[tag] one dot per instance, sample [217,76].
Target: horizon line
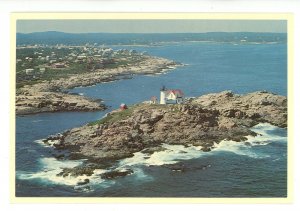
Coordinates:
[151,32]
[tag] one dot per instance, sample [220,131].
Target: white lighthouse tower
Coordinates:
[163,95]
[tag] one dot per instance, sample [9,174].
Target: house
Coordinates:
[52,61]
[59,65]
[42,69]
[171,96]
[107,52]
[81,57]
[29,71]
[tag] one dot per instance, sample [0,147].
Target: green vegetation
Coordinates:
[115,116]
[42,61]
[23,83]
[49,74]
[52,74]
[123,114]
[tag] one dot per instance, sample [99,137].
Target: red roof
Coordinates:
[176,92]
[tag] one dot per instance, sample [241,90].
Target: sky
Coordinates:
[151,26]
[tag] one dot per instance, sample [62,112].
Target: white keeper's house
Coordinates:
[171,96]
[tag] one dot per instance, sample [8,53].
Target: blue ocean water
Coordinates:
[258,169]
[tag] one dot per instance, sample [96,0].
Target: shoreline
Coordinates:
[83,175]
[204,122]
[48,96]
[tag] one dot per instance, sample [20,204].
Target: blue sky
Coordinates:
[151,26]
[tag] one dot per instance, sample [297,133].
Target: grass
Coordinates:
[50,74]
[124,114]
[53,74]
[174,108]
[23,83]
[114,117]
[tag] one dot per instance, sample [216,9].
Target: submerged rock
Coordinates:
[84,182]
[114,174]
[180,167]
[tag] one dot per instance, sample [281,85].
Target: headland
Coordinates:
[202,121]
[44,86]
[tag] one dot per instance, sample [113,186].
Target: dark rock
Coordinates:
[199,123]
[59,146]
[76,156]
[151,150]
[77,171]
[179,167]
[59,156]
[115,174]
[84,182]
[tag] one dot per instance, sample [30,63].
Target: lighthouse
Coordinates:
[163,91]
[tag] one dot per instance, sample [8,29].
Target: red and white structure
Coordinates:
[171,96]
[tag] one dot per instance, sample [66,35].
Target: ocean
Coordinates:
[257,168]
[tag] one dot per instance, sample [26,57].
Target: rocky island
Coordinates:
[202,121]
[44,86]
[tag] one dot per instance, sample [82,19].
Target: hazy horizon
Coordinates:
[148,32]
[151,26]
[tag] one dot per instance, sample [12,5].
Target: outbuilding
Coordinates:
[29,71]
[123,106]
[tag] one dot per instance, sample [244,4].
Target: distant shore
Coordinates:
[48,96]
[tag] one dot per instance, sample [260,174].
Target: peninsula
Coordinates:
[202,121]
[45,74]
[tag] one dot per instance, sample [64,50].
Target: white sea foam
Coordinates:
[38,120]
[171,155]
[176,153]
[41,142]
[50,168]
[245,148]
[238,148]
[49,143]
[263,137]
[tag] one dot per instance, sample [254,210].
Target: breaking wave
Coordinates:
[51,167]
[170,154]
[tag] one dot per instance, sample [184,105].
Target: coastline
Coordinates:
[204,122]
[48,96]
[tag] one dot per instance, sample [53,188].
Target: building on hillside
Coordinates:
[42,69]
[59,65]
[29,71]
[171,96]
[153,100]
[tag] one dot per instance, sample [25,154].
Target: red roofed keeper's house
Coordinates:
[171,96]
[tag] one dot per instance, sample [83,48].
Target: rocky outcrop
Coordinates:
[255,107]
[203,121]
[47,96]
[32,102]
